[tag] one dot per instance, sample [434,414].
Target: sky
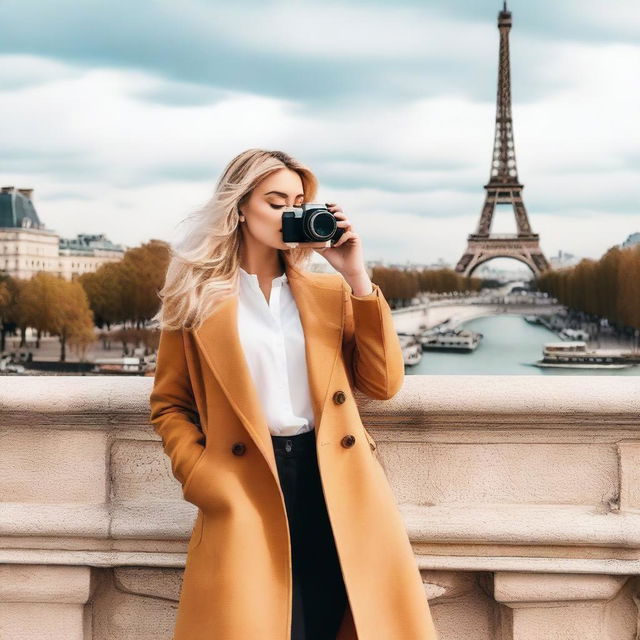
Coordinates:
[121,116]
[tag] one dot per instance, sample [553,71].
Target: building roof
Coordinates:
[88,243]
[17,210]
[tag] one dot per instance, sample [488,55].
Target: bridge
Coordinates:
[458,312]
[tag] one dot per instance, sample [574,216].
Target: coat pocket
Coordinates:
[374,450]
[372,443]
[189,480]
[196,533]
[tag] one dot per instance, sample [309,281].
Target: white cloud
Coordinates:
[96,112]
[334,30]
[23,70]
[619,15]
[593,121]
[95,132]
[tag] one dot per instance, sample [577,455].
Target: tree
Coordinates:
[50,303]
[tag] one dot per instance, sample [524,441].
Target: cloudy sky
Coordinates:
[121,116]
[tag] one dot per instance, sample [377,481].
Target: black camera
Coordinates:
[310,223]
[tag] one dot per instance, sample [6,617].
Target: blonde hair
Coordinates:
[204,266]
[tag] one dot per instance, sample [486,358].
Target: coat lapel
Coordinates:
[319,303]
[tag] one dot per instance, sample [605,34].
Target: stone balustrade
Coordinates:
[521,496]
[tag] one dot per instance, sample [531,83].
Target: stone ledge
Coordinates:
[120,521]
[529,563]
[105,559]
[510,525]
[47,400]
[425,561]
[522,524]
[34,519]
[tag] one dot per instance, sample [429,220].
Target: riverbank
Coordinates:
[454,315]
[555,318]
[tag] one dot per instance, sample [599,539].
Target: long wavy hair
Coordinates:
[204,265]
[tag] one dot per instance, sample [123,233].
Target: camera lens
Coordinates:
[320,225]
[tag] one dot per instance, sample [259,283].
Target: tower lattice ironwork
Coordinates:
[503,186]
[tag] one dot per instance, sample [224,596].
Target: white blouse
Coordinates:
[274,346]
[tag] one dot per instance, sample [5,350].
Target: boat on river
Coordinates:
[125,365]
[463,340]
[411,348]
[576,355]
[573,335]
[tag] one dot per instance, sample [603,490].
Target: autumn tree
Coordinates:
[53,304]
[608,287]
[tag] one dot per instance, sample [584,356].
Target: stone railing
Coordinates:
[521,496]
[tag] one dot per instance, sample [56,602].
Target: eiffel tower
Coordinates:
[503,186]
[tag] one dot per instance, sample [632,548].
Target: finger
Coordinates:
[345,236]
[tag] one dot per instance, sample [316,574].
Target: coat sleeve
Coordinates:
[370,344]
[174,414]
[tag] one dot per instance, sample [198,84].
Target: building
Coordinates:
[564,259]
[632,240]
[27,246]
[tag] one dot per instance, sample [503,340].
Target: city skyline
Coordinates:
[123,129]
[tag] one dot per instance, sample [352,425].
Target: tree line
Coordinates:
[607,288]
[125,293]
[400,286]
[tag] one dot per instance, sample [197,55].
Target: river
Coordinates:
[510,345]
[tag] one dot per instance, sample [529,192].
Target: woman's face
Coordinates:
[263,210]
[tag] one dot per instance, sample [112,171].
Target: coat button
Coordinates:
[339,397]
[238,448]
[348,441]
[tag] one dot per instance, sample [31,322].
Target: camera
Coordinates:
[309,223]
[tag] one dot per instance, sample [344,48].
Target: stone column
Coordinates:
[44,602]
[561,606]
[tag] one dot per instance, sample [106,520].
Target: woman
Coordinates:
[297,535]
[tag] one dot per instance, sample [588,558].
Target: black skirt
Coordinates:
[319,594]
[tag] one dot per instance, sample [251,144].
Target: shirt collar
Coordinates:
[252,277]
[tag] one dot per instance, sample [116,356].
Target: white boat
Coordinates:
[8,365]
[123,365]
[575,355]
[573,335]
[451,340]
[411,348]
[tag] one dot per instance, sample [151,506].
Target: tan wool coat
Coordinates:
[237,582]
